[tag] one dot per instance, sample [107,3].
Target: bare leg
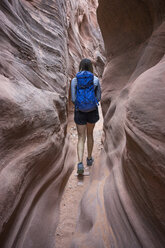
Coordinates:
[90,141]
[81,129]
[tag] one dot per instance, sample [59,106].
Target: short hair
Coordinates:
[86,65]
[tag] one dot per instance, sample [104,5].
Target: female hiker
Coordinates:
[85,94]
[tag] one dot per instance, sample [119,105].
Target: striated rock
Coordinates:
[41,45]
[124,206]
[34,154]
[85,39]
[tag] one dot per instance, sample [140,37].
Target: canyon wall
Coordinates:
[41,45]
[84,38]
[34,153]
[124,206]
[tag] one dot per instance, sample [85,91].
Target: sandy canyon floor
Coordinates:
[76,186]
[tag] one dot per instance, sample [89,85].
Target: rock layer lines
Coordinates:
[124,206]
[34,153]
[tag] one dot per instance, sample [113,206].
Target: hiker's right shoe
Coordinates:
[80,168]
[90,161]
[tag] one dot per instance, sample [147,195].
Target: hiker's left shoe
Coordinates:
[80,168]
[90,161]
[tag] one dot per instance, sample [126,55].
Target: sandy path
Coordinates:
[75,188]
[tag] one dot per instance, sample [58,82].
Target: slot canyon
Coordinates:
[121,204]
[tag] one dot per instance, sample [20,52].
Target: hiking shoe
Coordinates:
[90,161]
[80,168]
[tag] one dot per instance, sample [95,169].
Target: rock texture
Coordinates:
[41,45]
[85,40]
[34,154]
[124,206]
[84,37]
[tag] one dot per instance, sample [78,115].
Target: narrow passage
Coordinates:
[76,186]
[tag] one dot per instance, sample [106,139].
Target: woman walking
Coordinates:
[85,94]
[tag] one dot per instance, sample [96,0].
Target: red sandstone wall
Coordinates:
[84,37]
[124,206]
[34,162]
[85,40]
[41,45]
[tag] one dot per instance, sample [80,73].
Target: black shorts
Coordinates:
[81,118]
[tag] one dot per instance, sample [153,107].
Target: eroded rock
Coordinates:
[124,206]
[34,153]
[42,43]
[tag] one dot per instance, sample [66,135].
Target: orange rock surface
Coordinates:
[124,206]
[41,45]
[34,154]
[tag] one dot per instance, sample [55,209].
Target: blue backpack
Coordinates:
[85,96]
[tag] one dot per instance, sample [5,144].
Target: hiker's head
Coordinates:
[86,65]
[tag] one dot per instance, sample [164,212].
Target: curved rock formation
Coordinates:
[124,206]
[34,153]
[41,45]
[84,35]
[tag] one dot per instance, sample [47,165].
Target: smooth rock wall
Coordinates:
[124,206]
[85,39]
[34,153]
[41,46]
